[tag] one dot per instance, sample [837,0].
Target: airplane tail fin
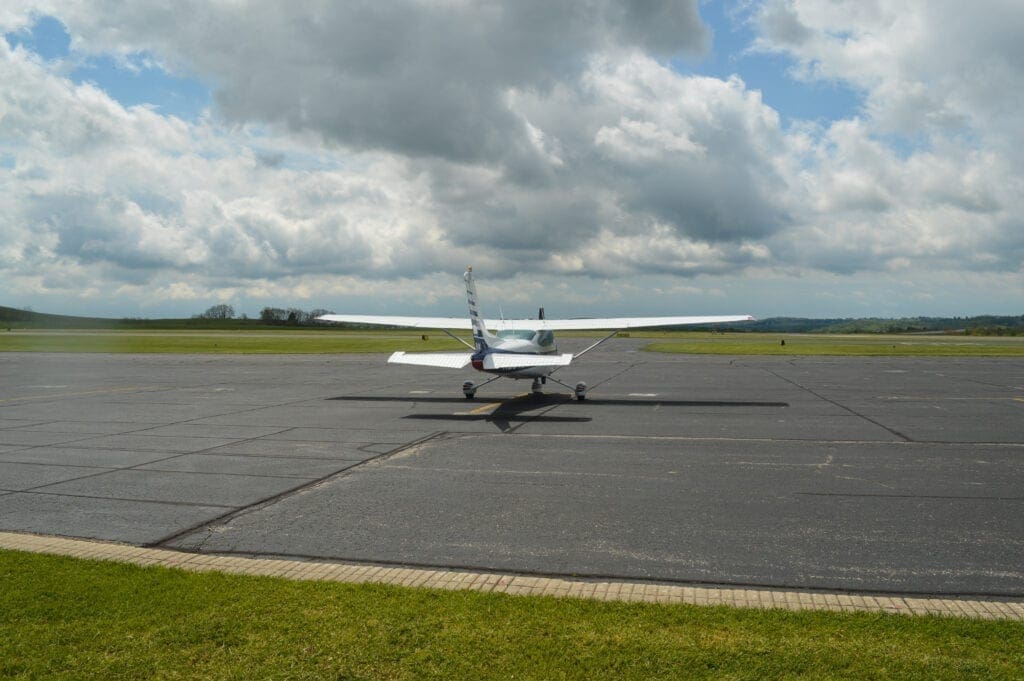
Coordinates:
[481,338]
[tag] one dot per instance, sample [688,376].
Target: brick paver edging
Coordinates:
[514,584]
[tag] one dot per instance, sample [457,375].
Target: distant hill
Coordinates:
[25,319]
[987,324]
[980,325]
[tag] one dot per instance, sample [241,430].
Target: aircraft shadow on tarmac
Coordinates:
[514,410]
[506,415]
[536,401]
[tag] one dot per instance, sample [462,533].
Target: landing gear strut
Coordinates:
[580,391]
[469,388]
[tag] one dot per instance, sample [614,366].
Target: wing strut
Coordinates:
[468,345]
[591,347]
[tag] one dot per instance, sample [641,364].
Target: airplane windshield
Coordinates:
[524,334]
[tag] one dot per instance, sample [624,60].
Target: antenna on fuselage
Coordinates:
[540,313]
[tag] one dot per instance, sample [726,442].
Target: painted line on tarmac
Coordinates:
[53,396]
[483,409]
[519,585]
[708,438]
[490,406]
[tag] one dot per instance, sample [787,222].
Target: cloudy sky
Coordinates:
[784,157]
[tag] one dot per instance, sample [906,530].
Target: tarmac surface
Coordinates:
[874,475]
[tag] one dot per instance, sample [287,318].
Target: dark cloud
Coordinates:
[410,77]
[501,105]
[780,24]
[389,141]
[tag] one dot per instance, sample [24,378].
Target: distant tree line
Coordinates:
[979,325]
[982,325]
[268,315]
[291,315]
[217,312]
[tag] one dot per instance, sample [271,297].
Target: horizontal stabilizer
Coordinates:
[446,360]
[512,360]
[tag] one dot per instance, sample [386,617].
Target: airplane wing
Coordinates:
[628,322]
[407,322]
[445,360]
[536,324]
[512,360]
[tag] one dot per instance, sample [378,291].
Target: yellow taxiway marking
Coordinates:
[78,394]
[484,408]
[490,406]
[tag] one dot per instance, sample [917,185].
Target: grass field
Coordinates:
[70,618]
[827,344]
[232,342]
[305,341]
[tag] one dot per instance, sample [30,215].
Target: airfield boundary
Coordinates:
[515,585]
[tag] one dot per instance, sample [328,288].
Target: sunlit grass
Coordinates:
[69,618]
[850,345]
[230,342]
[328,341]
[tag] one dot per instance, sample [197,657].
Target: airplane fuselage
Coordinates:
[518,348]
[519,342]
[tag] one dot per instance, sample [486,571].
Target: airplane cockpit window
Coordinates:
[523,334]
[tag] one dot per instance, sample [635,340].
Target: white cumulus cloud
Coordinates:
[355,148]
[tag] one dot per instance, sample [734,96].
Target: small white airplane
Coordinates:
[519,348]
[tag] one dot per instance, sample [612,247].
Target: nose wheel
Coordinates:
[581,391]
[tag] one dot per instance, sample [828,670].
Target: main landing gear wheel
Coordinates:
[581,391]
[535,388]
[469,390]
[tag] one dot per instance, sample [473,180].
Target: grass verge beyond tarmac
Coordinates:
[225,342]
[827,344]
[343,341]
[71,618]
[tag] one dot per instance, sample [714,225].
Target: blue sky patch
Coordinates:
[138,79]
[145,83]
[48,38]
[795,100]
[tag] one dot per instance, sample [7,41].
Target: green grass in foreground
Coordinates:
[68,618]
